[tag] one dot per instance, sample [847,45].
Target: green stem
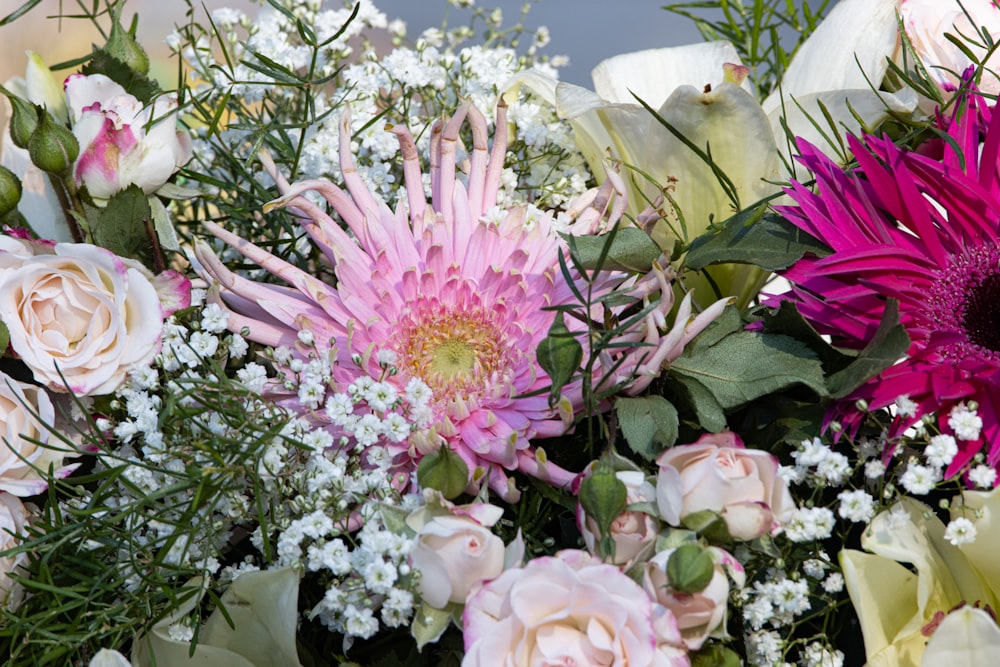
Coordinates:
[68,201]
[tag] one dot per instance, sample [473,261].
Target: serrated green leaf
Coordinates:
[139,85]
[710,414]
[746,365]
[754,236]
[631,249]
[789,321]
[445,471]
[649,424]
[121,225]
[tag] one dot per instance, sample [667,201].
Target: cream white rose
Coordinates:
[719,474]
[926,23]
[633,533]
[27,451]
[13,521]
[567,609]
[455,552]
[80,318]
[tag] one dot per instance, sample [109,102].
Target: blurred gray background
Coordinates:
[586,31]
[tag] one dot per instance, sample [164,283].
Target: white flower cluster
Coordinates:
[818,464]
[415,84]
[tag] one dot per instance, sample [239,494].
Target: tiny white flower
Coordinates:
[856,506]
[918,479]
[906,407]
[983,476]
[874,469]
[834,583]
[941,450]
[960,531]
[965,422]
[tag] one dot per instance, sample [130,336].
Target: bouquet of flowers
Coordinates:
[351,346]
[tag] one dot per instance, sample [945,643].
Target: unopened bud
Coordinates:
[122,46]
[23,119]
[52,147]
[10,191]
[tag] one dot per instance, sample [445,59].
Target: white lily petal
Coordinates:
[869,580]
[730,123]
[43,88]
[855,32]
[39,204]
[581,107]
[967,637]
[654,74]
[804,116]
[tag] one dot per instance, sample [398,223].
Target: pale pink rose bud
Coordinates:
[633,533]
[699,614]
[455,551]
[719,474]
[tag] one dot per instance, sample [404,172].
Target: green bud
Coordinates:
[23,120]
[122,46]
[690,569]
[559,355]
[10,191]
[445,471]
[52,147]
[603,497]
[715,655]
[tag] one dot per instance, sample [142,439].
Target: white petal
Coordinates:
[855,32]
[967,637]
[654,74]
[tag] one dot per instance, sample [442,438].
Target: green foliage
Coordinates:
[445,471]
[649,424]
[690,569]
[766,33]
[727,367]
[559,354]
[754,236]
[123,225]
[629,249]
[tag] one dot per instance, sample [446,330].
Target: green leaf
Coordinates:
[121,225]
[649,424]
[429,624]
[445,471]
[4,337]
[887,346]
[631,249]
[789,321]
[715,655]
[754,236]
[744,366]
[559,354]
[139,85]
[162,224]
[690,569]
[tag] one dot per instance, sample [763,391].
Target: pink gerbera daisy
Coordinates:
[456,292]
[922,229]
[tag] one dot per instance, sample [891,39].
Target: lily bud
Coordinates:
[10,191]
[23,120]
[52,147]
[44,88]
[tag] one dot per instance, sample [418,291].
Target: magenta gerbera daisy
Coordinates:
[923,229]
[455,293]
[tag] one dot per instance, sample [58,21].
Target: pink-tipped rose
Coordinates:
[700,614]
[81,317]
[719,474]
[926,23]
[633,533]
[123,141]
[567,609]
